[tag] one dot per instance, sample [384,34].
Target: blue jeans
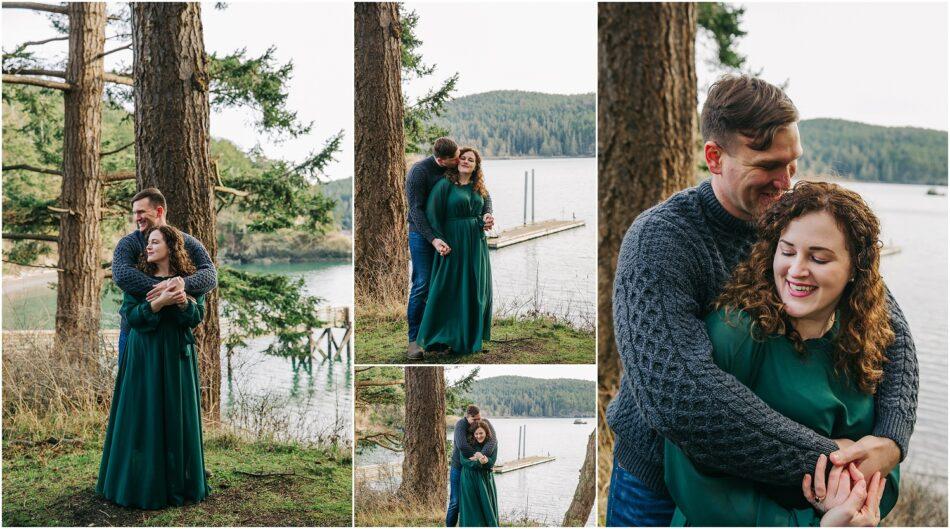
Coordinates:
[422,254]
[452,514]
[630,503]
[123,339]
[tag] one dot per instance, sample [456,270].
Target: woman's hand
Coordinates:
[862,507]
[826,496]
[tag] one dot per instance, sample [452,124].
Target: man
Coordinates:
[673,263]
[149,210]
[460,449]
[423,244]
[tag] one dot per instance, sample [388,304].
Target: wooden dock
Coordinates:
[372,473]
[524,462]
[531,231]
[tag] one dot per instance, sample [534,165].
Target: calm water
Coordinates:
[542,492]
[917,276]
[312,401]
[557,273]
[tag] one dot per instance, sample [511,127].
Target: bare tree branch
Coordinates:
[61,210]
[36,6]
[108,76]
[374,383]
[114,151]
[24,167]
[40,42]
[117,78]
[51,267]
[31,237]
[33,81]
[117,176]
[113,50]
[232,191]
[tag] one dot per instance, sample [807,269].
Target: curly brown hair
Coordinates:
[863,317]
[484,425]
[179,262]
[478,177]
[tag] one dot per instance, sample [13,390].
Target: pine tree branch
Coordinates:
[374,383]
[113,50]
[50,267]
[117,78]
[117,176]
[33,81]
[36,6]
[231,191]
[111,77]
[61,210]
[24,167]
[31,237]
[114,151]
[40,42]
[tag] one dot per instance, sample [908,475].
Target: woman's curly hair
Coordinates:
[865,330]
[484,425]
[478,177]
[179,262]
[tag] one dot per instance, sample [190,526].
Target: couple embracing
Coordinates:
[770,378]
[153,456]
[450,300]
[473,499]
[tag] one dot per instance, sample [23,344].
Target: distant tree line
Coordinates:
[532,397]
[871,153]
[516,123]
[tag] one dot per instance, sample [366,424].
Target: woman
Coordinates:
[478,499]
[803,323]
[153,456]
[458,309]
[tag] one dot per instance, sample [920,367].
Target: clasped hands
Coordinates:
[169,292]
[480,457]
[846,497]
[444,249]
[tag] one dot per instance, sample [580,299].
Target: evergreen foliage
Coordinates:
[872,153]
[515,396]
[515,123]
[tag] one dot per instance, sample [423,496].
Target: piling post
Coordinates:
[532,196]
[525,222]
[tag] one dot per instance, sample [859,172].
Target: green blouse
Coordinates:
[804,388]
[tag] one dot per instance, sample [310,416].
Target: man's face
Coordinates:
[450,162]
[473,418]
[147,215]
[747,181]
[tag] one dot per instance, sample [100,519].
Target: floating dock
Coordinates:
[378,472]
[524,462]
[532,231]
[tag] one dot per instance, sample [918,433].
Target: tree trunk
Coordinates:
[425,467]
[579,510]
[381,245]
[646,101]
[80,242]
[172,145]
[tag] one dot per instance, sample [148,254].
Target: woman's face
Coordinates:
[156,249]
[467,162]
[812,266]
[480,435]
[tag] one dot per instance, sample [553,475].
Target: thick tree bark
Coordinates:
[425,467]
[579,510]
[80,242]
[381,245]
[646,120]
[172,145]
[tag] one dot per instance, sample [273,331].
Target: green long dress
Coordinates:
[458,309]
[153,456]
[478,498]
[805,389]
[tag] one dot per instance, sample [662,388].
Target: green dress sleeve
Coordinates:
[138,312]
[436,207]
[192,314]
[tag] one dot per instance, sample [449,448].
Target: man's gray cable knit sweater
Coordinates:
[422,177]
[672,265]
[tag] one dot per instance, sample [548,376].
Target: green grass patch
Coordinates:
[252,484]
[527,340]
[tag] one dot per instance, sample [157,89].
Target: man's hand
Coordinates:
[441,247]
[871,454]
[489,221]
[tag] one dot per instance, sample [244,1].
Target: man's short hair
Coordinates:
[153,195]
[472,410]
[444,148]
[746,105]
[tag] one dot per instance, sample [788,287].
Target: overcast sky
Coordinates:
[880,63]
[318,38]
[542,47]
[580,372]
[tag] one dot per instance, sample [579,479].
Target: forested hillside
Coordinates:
[871,153]
[533,397]
[514,123]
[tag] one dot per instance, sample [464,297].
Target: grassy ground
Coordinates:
[54,485]
[383,509]
[538,340]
